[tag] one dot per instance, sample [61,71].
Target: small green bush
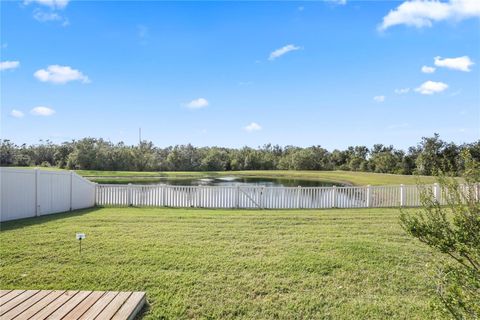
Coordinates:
[454,230]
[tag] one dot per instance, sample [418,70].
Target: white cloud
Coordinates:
[42,111]
[43,16]
[5,65]
[427,69]
[17,113]
[341,2]
[402,90]
[283,50]
[60,75]
[431,87]
[418,13]
[253,126]
[197,103]
[461,63]
[379,98]
[54,4]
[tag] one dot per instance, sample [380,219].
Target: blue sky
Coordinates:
[333,73]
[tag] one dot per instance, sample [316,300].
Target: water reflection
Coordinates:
[246,181]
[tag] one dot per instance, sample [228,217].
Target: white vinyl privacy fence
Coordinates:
[32,192]
[264,197]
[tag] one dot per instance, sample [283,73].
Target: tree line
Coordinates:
[99,154]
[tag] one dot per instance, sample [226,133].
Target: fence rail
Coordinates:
[248,197]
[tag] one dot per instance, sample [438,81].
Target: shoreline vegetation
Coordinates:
[424,159]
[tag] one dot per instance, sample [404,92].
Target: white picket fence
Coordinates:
[262,197]
[33,192]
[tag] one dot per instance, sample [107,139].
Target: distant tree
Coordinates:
[357,156]
[215,159]
[99,154]
[454,231]
[7,152]
[429,159]
[61,154]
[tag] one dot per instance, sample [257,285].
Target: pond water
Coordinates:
[244,181]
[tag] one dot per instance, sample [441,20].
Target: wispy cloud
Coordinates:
[17,113]
[6,65]
[60,75]
[431,87]
[53,4]
[197,103]
[42,111]
[427,69]
[253,126]
[340,2]
[43,16]
[402,91]
[461,63]
[419,13]
[48,10]
[379,98]
[283,50]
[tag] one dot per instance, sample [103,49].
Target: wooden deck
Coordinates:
[57,304]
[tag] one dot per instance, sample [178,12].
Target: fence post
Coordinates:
[402,195]
[262,195]
[436,192]
[71,190]
[37,195]
[129,194]
[369,196]
[164,195]
[299,188]
[96,198]
[237,197]
[334,196]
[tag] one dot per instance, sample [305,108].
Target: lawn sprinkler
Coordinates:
[80,237]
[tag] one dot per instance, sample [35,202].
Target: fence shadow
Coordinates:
[22,223]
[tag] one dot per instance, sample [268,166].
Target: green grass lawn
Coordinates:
[227,264]
[346,177]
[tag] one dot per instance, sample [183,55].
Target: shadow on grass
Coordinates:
[22,223]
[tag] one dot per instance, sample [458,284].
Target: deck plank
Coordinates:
[25,305]
[16,301]
[70,305]
[9,296]
[99,306]
[55,304]
[43,303]
[131,307]
[85,305]
[114,305]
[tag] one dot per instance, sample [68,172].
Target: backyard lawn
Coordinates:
[226,264]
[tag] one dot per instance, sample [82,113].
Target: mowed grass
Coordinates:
[345,177]
[227,264]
